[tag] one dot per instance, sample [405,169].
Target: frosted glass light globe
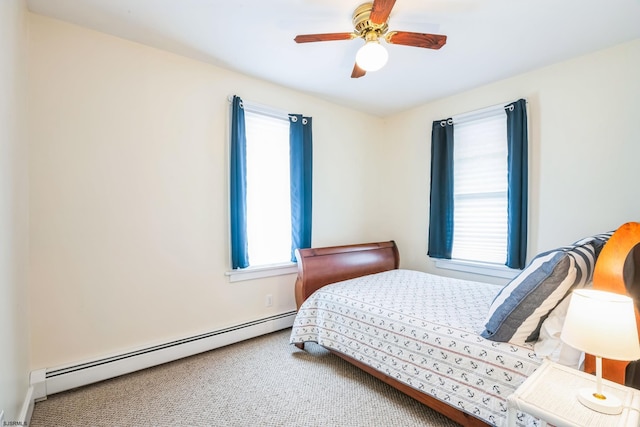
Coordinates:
[372,56]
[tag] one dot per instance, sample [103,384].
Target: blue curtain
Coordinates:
[441,196]
[238,184]
[301,164]
[517,164]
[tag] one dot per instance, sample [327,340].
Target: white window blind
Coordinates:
[480,188]
[268,190]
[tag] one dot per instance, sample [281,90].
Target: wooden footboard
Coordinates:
[318,267]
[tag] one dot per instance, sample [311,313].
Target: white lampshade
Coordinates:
[602,324]
[372,56]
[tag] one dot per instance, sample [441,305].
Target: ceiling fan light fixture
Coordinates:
[372,56]
[371,23]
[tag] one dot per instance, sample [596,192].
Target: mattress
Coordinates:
[423,330]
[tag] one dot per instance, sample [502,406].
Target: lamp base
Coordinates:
[598,402]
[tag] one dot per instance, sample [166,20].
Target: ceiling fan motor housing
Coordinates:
[363,25]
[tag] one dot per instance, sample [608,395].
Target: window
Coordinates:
[270,186]
[478,199]
[268,189]
[480,188]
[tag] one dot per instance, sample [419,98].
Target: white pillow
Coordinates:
[549,344]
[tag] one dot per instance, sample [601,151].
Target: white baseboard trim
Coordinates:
[48,381]
[27,408]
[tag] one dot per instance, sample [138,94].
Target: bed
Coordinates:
[428,335]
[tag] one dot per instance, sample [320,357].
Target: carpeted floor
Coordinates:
[264,381]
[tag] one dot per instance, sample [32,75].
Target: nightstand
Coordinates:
[550,394]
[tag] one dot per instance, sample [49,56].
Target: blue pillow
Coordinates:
[519,309]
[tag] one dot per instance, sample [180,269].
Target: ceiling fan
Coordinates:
[370,21]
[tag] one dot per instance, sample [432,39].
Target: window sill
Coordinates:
[260,272]
[485,269]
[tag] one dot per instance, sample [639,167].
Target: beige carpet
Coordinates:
[260,382]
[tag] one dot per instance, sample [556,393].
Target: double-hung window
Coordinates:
[268,189]
[480,189]
[270,185]
[478,199]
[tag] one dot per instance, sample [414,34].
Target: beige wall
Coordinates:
[128,181]
[584,139]
[128,193]
[14,331]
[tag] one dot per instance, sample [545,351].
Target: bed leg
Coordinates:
[300,345]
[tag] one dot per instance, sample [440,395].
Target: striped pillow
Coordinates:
[598,241]
[519,309]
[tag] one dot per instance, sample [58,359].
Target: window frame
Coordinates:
[479,118]
[478,267]
[259,272]
[481,268]
[267,270]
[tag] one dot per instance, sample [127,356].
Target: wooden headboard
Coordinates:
[618,270]
[321,266]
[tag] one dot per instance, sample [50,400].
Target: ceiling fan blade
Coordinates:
[306,38]
[357,71]
[429,41]
[380,11]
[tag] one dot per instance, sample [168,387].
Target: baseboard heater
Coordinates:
[48,381]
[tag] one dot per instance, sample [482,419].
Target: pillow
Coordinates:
[549,344]
[519,309]
[598,241]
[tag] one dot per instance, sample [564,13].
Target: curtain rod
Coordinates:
[262,109]
[469,115]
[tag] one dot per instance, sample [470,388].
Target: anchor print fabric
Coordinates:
[423,330]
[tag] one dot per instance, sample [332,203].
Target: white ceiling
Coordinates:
[488,40]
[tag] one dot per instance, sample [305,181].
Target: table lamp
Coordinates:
[602,324]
